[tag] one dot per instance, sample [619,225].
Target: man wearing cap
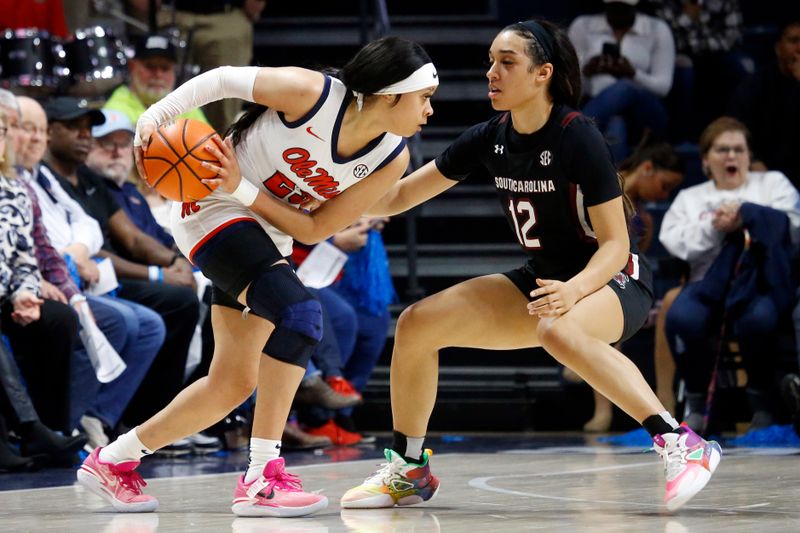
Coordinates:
[112,157]
[221,34]
[627,59]
[152,77]
[149,273]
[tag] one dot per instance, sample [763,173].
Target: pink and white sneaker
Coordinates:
[689,461]
[118,484]
[275,493]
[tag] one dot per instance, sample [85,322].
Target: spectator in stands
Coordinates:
[53,326]
[149,273]
[708,65]
[768,102]
[46,15]
[112,157]
[41,332]
[152,74]
[627,59]
[219,33]
[133,330]
[367,286]
[736,232]
[650,174]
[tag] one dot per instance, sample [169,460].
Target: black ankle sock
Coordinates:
[656,425]
[399,443]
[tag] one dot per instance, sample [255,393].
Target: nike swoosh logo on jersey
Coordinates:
[308,129]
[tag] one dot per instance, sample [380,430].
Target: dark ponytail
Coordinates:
[245,121]
[377,65]
[565,85]
[660,153]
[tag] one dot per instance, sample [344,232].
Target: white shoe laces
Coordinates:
[674,457]
[389,474]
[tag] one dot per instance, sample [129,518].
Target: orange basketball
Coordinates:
[172,162]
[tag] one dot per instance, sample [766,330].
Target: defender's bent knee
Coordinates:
[557,336]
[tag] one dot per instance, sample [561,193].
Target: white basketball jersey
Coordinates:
[292,161]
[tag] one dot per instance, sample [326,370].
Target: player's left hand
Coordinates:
[228,173]
[552,298]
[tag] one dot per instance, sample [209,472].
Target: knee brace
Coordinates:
[277,295]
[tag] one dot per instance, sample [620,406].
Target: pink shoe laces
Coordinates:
[130,479]
[279,478]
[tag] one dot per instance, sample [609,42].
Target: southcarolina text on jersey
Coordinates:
[513,185]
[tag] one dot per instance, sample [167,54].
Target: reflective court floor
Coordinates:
[489,483]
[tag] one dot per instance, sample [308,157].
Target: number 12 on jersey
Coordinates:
[522,207]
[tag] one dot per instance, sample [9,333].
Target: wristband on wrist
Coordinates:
[154,273]
[77,297]
[245,193]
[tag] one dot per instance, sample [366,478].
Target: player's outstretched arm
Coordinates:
[419,186]
[292,90]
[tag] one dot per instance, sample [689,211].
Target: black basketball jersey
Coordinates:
[545,182]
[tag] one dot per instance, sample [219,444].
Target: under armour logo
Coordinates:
[545,158]
[498,149]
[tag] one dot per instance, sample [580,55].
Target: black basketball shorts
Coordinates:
[232,258]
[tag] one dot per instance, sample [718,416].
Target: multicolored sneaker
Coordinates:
[396,483]
[275,493]
[689,461]
[118,484]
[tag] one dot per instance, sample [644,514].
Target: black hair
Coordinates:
[660,153]
[382,63]
[378,64]
[785,24]
[565,85]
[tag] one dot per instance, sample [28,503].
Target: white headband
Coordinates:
[422,78]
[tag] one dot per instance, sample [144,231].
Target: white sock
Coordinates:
[262,451]
[669,419]
[414,447]
[127,447]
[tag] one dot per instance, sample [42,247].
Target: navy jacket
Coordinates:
[765,267]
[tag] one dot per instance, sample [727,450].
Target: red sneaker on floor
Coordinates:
[343,387]
[338,435]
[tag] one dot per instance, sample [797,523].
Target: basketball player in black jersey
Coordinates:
[583,288]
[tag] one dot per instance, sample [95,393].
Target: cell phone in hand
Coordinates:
[611,50]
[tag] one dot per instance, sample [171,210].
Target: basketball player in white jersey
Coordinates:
[313,139]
